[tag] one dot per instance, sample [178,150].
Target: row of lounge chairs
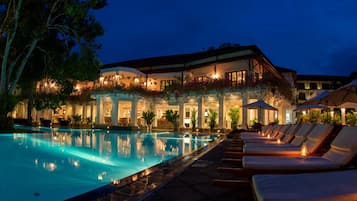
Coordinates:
[283,162]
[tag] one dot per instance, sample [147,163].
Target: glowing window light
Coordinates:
[279,141]
[215,76]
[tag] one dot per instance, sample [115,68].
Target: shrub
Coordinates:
[234,114]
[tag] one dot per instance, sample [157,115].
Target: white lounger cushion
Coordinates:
[283,148]
[326,186]
[288,163]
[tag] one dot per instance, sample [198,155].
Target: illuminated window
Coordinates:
[165,83]
[236,78]
[302,96]
[313,85]
[201,78]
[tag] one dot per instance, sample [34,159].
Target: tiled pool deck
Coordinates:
[188,178]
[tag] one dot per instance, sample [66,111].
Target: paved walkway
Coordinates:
[195,182]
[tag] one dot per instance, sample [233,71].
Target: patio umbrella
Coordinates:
[316,99]
[260,105]
[343,96]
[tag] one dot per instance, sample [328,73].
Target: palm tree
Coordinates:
[234,115]
[172,117]
[148,117]
[212,115]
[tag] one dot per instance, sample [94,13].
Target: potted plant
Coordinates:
[351,118]
[212,115]
[172,117]
[76,119]
[234,115]
[148,117]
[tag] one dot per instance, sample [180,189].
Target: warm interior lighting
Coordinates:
[268,136]
[303,150]
[215,76]
[279,141]
[136,80]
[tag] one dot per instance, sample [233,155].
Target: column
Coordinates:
[245,110]
[181,112]
[91,111]
[221,111]
[134,112]
[199,112]
[343,116]
[99,112]
[115,104]
[74,108]
[84,111]
[282,120]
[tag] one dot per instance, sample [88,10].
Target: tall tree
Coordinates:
[46,38]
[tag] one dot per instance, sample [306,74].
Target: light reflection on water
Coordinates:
[66,162]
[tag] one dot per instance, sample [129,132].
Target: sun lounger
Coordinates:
[265,130]
[320,133]
[324,186]
[274,134]
[287,130]
[342,150]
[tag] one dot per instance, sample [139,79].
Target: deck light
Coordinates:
[303,150]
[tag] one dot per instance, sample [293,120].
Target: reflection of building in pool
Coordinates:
[191,84]
[129,145]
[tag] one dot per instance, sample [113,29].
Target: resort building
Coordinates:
[308,86]
[194,85]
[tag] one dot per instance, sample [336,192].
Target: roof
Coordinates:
[180,62]
[323,78]
[284,70]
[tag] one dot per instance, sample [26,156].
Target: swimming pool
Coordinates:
[62,163]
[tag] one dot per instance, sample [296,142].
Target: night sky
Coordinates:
[310,36]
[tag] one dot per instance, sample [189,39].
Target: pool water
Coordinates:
[62,163]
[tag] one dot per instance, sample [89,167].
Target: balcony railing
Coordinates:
[200,87]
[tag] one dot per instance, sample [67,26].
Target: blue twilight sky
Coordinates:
[310,36]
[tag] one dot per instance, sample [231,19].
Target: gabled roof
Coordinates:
[181,62]
[323,78]
[284,70]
